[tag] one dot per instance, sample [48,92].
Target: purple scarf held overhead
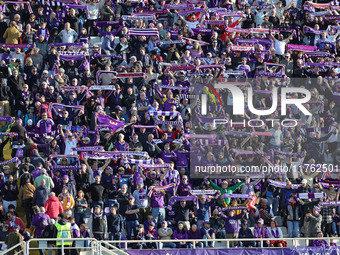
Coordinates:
[232,208]
[307,29]
[301,47]
[236,196]
[170,87]
[15,159]
[88,148]
[178,6]
[59,167]
[66,44]
[12,45]
[7,119]
[191,11]
[175,199]
[143,32]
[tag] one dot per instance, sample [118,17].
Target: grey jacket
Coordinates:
[314,225]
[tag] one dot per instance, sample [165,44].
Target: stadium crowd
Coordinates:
[101,136]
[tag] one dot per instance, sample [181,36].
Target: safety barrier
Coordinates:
[294,242]
[97,247]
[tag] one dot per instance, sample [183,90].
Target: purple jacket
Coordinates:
[157,199]
[36,222]
[122,147]
[177,235]
[36,173]
[261,232]
[231,223]
[318,243]
[195,235]
[168,156]
[204,231]
[184,189]
[182,158]
[45,127]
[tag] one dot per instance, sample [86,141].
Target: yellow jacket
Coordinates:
[66,206]
[12,35]
[26,191]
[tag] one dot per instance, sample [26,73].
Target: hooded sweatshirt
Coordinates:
[53,207]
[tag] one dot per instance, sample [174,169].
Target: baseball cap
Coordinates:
[304,181]
[133,109]
[152,224]
[119,108]
[317,208]
[133,57]
[287,55]
[65,176]
[260,221]
[244,221]
[206,222]
[131,197]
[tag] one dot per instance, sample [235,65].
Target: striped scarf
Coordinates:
[143,32]
[161,188]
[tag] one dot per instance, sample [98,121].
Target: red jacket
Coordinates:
[18,222]
[53,207]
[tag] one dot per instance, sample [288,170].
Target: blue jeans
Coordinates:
[273,202]
[80,218]
[115,237]
[167,245]
[335,228]
[151,245]
[131,226]
[199,245]
[293,229]
[209,243]
[158,214]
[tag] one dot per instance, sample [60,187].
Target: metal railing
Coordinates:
[98,247]
[43,244]
[21,251]
[296,242]
[102,247]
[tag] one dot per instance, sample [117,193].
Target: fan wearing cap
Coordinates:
[131,215]
[208,233]
[245,232]
[141,198]
[304,187]
[261,231]
[99,223]
[315,221]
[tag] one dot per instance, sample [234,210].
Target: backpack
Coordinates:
[42,223]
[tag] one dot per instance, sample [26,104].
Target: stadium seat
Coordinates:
[278,220]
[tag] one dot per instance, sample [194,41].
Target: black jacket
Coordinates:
[5,93]
[15,84]
[114,223]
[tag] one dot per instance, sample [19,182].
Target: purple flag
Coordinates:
[111,122]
